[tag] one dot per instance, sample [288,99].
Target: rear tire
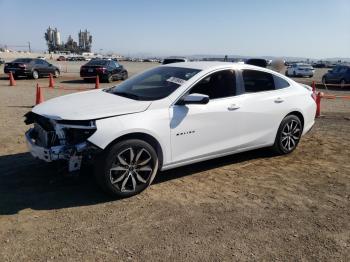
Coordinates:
[288,135]
[35,74]
[127,168]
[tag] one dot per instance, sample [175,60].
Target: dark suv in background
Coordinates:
[107,70]
[31,67]
[340,74]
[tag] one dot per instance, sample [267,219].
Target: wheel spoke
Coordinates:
[292,142]
[295,137]
[124,183]
[289,143]
[140,178]
[133,180]
[122,160]
[132,155]
[296,130]
[145,162]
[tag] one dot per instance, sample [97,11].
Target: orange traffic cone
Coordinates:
[97,83]
[39,96]
[51,81]
[12,80]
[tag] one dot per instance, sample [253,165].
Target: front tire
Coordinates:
[127,168]
[342,83]
[288,135]
[56,74]
[125,76]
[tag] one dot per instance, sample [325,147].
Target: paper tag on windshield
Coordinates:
[176,80]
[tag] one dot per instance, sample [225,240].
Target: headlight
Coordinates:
[77,132]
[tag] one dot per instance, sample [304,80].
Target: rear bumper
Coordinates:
[18,72]
[90,75]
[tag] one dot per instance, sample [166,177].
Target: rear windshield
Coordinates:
[23,60]
[154,84]
[173,60]
[97,62]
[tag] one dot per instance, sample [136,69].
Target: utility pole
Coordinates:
[30,50]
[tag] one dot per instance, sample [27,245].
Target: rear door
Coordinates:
[39,66]
[266,102]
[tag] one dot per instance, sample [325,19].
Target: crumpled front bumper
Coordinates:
[71,153]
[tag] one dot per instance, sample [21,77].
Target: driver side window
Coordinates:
[217,85]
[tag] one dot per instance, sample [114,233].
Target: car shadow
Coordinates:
[29,183]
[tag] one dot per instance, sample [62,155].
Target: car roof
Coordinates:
[206,65]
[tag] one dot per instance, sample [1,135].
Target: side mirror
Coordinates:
[199,99]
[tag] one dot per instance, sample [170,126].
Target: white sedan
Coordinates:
[170,116]
[300,69]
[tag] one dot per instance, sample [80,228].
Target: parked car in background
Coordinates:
[171,116]
[107,70]
[257,62]
[31,67]
[61,58]
[171,60]
[71,58]
[300,69]
[340,74]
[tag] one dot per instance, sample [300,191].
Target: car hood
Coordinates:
[89,105]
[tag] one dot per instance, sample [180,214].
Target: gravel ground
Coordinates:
[251,206]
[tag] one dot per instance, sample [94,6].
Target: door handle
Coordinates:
[233,107]
[279,100]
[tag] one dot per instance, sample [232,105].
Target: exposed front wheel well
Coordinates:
[145,137]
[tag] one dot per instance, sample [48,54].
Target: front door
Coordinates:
[201,130]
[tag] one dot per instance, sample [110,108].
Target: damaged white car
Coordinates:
[170,116]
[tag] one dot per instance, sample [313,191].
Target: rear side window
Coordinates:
[280,82]
[258,81]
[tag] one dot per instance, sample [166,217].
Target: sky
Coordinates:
[294,28]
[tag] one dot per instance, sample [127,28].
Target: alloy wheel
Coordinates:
[131,169]
[35,74]
[290,136]
[342,83]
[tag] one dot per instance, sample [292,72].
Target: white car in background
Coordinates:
[300,69]
[170,116]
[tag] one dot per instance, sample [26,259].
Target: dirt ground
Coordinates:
[252,206]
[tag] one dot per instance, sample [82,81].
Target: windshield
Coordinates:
[173,60]
[154,84]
